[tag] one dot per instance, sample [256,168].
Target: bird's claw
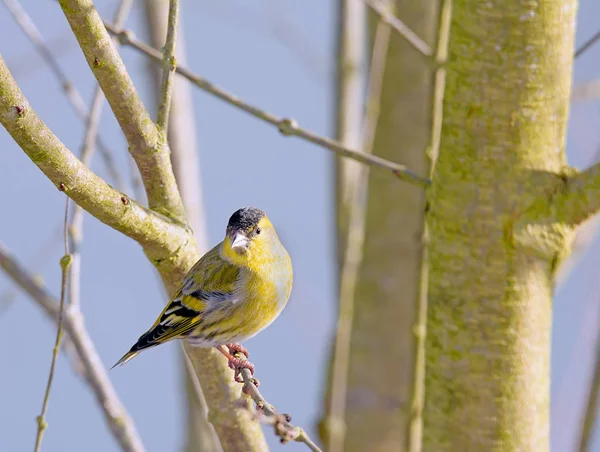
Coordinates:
[237,348]
[238,365]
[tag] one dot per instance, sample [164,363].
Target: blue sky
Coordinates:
[287,70]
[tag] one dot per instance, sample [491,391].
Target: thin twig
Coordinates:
[587,44]
[72,94]
[88,363]
[354,247]
[415,427]
[268,414]
[65,262]
[351,77]
[591,411]
[387,17]
[286,126]
[87,153]
[169,65]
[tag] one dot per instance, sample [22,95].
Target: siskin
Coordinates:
[232,293]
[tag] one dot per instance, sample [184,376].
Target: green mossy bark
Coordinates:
[491,275]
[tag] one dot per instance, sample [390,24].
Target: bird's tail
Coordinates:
[126,357]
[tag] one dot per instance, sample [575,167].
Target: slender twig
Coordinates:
[354,248]
[87,153]
[286,126]
[267,413]
[147,144]
[72,94]
[88,363]
[591,410]
[169,65]
[387,17]
[415,426]
[351,79]
[65,262]
[587,44]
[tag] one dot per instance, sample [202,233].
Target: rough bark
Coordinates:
[492,255]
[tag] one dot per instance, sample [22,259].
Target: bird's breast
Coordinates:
[264,294]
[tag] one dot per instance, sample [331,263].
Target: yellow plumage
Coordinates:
[233,292]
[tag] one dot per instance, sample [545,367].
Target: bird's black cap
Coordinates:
[244,219]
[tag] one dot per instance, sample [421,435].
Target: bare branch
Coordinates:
[94,372]
[72,94]
[591,411]
[234,427]
[147,144]
[415,428]
[166,242]
[169,65]
[268,415]
[65,263]
[351,79]
[286,126]
[587,44]
[573,198]
[404,31]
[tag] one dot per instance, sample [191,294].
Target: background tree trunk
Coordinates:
[380,368]
[491,277]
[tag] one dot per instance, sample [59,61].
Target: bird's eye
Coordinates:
[258,230]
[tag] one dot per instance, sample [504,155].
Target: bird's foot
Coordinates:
[237,348]
[238,364]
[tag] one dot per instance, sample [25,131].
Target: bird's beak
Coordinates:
[239,241]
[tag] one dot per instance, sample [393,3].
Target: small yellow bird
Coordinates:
[233,292]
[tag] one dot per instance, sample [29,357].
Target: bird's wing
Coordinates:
[211,283]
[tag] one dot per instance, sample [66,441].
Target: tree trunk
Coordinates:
[492,266]
[380,367]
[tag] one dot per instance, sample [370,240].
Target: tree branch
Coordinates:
[286,126]
[65,264]
[570,199]
[166,242]
[169,65]
[169,246]
[591,410]
[73,96]
[268,415]
[587,44]
[411,37]
[94,372]
[415,426]
[147,144]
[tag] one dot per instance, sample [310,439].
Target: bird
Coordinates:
[233,292]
